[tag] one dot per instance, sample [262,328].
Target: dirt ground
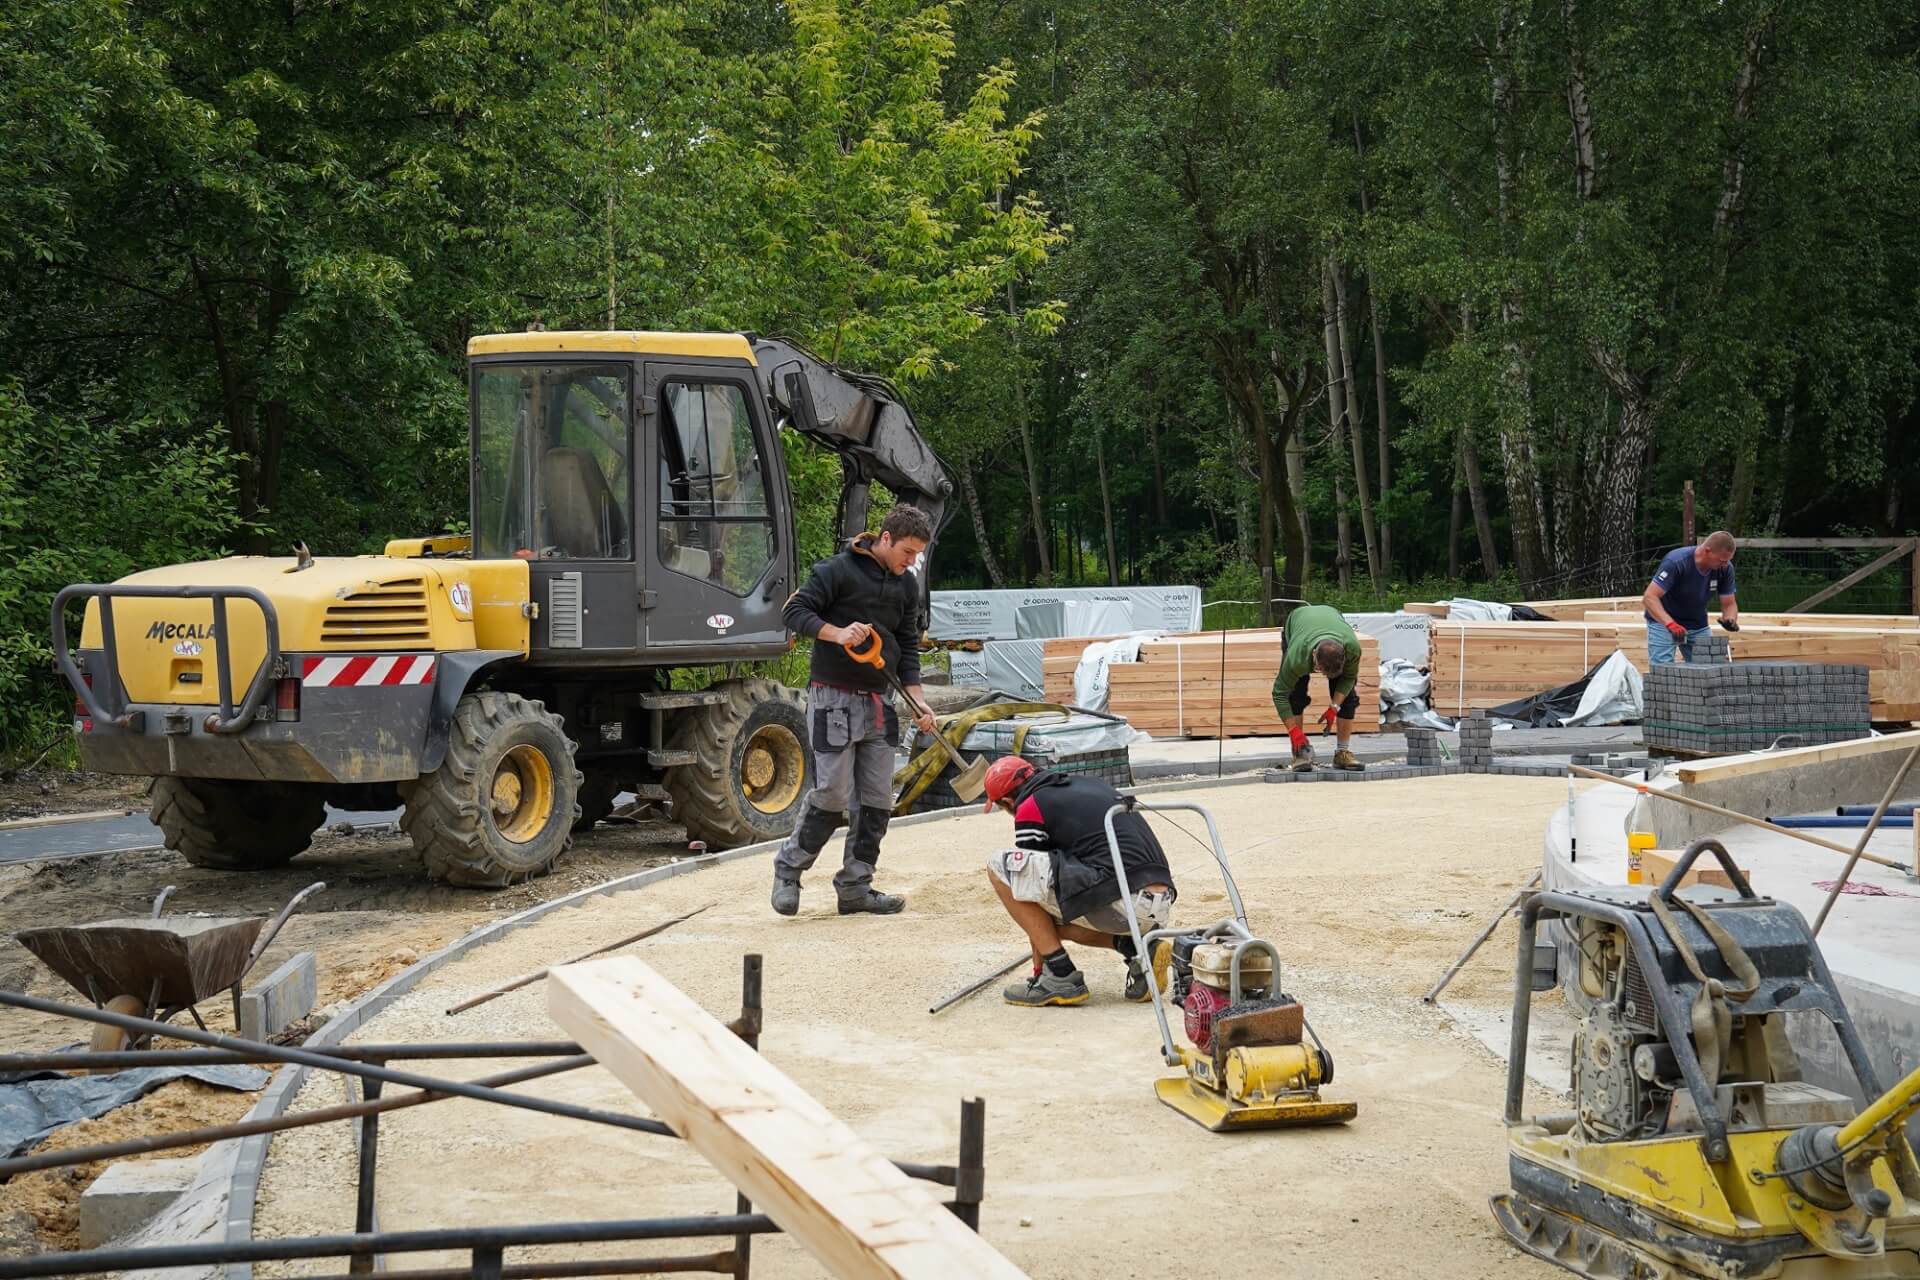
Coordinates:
[36,793]
[378,914]
[1368,891]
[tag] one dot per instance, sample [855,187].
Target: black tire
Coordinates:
[236,826]
[501,745]
[713,797]
[597,793]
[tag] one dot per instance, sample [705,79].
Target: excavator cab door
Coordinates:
[553,482]
[720,553]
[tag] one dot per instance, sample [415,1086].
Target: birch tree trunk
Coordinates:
[981,537]
[1106,507]
[1477,496]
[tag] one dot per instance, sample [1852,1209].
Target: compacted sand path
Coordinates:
[1368,890]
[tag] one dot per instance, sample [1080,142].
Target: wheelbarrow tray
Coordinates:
[193,957]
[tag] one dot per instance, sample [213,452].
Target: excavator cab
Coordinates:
[643,484]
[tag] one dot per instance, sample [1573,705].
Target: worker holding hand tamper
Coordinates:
[1058,880]
[1317,638]
[867,590]
[1676,599]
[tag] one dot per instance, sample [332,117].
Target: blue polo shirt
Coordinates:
[1687,587]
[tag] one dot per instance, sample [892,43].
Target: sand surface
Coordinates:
[1368,891]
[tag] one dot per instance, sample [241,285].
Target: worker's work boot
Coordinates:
[1136,990]
[1303,758]
[1344,759]
[1043,989]
[786,896]
[871,901]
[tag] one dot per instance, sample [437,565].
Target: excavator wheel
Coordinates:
[236,826]
[501,806]
[754,768]
[598,790]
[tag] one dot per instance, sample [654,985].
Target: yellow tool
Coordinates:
[1252,1060]
[1695,1148]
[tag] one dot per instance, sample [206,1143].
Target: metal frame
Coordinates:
[1234,927]
[230,719]
[366,1247]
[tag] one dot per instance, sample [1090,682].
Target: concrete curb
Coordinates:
[249,1159]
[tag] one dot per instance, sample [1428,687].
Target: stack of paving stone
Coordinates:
[1725,707]
[1476,742]
[1617,763]
[1423,749]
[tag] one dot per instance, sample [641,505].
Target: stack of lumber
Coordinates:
[1176,688]
[1477,666]
[1058,658]
[1485,664]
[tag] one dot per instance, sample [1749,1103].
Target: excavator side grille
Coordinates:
[392,615]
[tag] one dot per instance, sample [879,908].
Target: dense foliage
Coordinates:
[1363,294]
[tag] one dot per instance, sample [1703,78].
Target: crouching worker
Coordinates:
[1317,638]
[1058,881]
[867,590]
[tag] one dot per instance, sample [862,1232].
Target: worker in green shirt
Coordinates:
[1317,638]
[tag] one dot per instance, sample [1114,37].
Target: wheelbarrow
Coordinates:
[156,966]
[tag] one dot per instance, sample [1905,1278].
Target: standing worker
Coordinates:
[1676,599]
[1317,638]
[866,590]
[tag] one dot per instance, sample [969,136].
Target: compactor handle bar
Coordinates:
[1706,844]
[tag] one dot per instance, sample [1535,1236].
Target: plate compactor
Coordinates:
[1253,1061]
[1695,1148]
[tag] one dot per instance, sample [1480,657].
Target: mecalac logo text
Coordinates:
[180,631]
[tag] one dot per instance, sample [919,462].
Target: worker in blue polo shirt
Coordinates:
[1676,599]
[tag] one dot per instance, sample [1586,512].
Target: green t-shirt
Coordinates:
[1306,627]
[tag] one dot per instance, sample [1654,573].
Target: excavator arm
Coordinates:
[863,419]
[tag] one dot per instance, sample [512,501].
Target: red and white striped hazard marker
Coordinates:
[334,673]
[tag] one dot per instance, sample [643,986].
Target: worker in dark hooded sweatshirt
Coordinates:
[868,589]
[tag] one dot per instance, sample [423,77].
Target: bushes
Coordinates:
[88,500]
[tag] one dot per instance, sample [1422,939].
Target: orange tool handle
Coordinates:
[871,654]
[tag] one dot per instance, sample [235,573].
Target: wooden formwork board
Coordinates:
[843,1201]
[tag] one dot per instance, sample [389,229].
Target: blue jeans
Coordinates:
[1661,643]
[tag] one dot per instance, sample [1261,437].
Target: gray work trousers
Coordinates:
[853,760]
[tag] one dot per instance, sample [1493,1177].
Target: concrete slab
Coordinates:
[285,996]
[130,1194]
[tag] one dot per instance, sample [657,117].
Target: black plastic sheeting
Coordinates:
[1548,710]
[34,1104]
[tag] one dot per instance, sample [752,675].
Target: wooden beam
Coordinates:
[1768,761]
[1804,544]
[843,1201]
[1827,593]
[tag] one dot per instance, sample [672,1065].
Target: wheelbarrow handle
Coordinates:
[266,939]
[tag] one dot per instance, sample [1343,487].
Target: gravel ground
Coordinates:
[1368,892]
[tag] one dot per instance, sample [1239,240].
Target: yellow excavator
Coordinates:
[630,517]
[1696,1146]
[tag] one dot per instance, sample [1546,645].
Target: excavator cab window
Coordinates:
[714,521]
[552,473]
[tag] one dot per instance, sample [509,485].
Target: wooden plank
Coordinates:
[842,1200]
[1727,767]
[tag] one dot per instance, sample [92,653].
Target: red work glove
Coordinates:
[1326,720]
[1679,632]
[1299,739]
